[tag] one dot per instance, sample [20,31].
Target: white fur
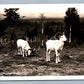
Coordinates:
[24,46]
[55,45]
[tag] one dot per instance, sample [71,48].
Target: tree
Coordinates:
[12,17]
[72,20]
[42,27]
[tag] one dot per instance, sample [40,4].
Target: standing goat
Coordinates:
[24,47]
[55,45]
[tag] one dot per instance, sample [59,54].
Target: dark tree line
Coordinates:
[31,31]
[49,28]
[71,19]
[3,26]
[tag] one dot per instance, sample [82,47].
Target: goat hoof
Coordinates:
[23,56]
[48,60]
[59,61]
[56,62]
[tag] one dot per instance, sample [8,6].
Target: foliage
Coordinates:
[3,27]
[49,28]
[72,19]
[12,17]
[31,31]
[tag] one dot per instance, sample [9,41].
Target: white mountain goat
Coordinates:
[24,46]
[55,45]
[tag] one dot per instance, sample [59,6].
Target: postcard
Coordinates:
[41,41]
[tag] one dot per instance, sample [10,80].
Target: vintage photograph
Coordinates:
[41,40]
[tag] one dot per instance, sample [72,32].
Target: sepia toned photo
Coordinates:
[41,41]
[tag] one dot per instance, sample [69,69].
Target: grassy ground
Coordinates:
[72,63]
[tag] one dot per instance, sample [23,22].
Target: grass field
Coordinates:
[12,64]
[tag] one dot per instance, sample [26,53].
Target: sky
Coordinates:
[49,10]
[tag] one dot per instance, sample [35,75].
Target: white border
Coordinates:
[42,78]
